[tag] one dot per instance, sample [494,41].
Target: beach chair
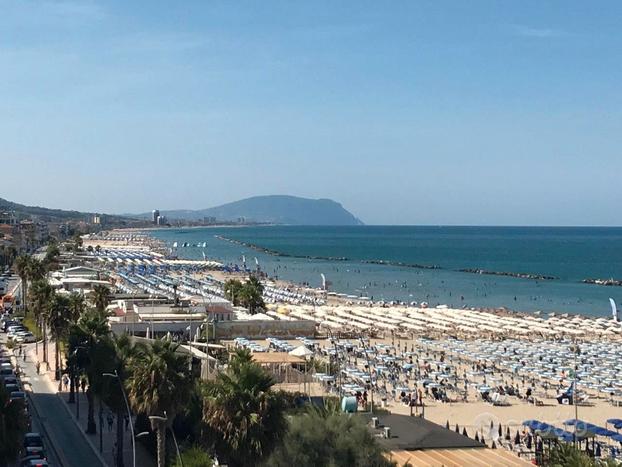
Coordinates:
[584,400]
[500,401]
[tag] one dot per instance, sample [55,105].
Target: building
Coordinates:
[154,216]
[32,235]
[155,316]
[8,218]
[161,220]
[419,442]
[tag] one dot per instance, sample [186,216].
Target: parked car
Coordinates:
[33,444]
[36,463]
[36,458]
[7,324]
[18,395]
[26,337]
[4,372]
[11,380]
[11,388]
[13,330]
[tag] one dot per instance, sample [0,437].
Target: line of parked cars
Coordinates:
[33,450]
[15,330]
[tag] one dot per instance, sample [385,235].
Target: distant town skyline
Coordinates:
[410,113]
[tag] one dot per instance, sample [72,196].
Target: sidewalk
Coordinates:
[66,446]
[109,437]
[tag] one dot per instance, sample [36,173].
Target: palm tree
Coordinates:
[36,269]
[101,297]
[51,256]
[76,304]
[12,427]
[110,359]
[158,385]
[40,297]
[86,335]
[232,289]
[112,391]
[21,267]
[252,295]
[242,413]
[61,314]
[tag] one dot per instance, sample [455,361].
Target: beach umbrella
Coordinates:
[492,424]
[494,445]
[457,428]
[483,441]
[447,425]
[464,432]
[517,438]
[507,434]
[500,430]
[476,436]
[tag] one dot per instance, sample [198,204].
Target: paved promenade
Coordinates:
[66,430]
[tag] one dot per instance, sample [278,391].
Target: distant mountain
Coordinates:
[51,215]
[275,209]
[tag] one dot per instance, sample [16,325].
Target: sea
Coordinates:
[527,269]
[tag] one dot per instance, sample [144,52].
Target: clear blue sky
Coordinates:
[414,112]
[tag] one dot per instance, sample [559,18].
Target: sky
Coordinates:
[406,112]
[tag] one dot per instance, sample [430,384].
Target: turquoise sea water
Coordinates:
[567,254]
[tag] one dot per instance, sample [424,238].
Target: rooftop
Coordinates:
[413,433]
[482,457]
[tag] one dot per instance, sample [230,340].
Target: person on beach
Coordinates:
[65,382]
[38,367]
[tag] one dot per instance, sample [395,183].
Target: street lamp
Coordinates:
[576,350]
[129,414]
[165,419]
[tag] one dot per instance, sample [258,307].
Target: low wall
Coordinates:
[261,329]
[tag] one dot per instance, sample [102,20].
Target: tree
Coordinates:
[22,264]
[112,358]
[12,427]
[36,269]
[101,297]
[328,437]
[77,243]
[233,289]
[158,385]
[244,417]
[51,256]
[59,317]
[40,298]
[76,304]
[566,455]
[194,457]
[9,253]
[251,295]
[84,342]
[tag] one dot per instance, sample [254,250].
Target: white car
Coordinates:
[14,335]
[25,338]
[15,327]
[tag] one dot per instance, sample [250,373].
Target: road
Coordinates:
[65,442]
